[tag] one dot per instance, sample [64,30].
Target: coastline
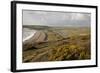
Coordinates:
[31,35]
[36,37]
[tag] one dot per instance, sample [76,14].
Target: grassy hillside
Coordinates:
[61,44]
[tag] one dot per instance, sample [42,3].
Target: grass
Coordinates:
[62,44]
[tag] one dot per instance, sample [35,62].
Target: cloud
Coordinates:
[56,18]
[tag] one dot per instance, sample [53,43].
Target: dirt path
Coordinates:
[39,57]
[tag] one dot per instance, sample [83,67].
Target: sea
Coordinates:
[27,33]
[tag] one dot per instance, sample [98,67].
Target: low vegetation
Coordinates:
[61,45]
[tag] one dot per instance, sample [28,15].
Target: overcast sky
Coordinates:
[56,18]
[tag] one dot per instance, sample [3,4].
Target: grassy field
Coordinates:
[61,44]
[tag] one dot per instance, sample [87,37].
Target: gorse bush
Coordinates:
[70,51]
[59,48]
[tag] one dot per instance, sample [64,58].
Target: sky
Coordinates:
[52,18]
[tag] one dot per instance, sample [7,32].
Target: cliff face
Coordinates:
[39,36]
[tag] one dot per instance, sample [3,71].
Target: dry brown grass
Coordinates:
[74,46]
